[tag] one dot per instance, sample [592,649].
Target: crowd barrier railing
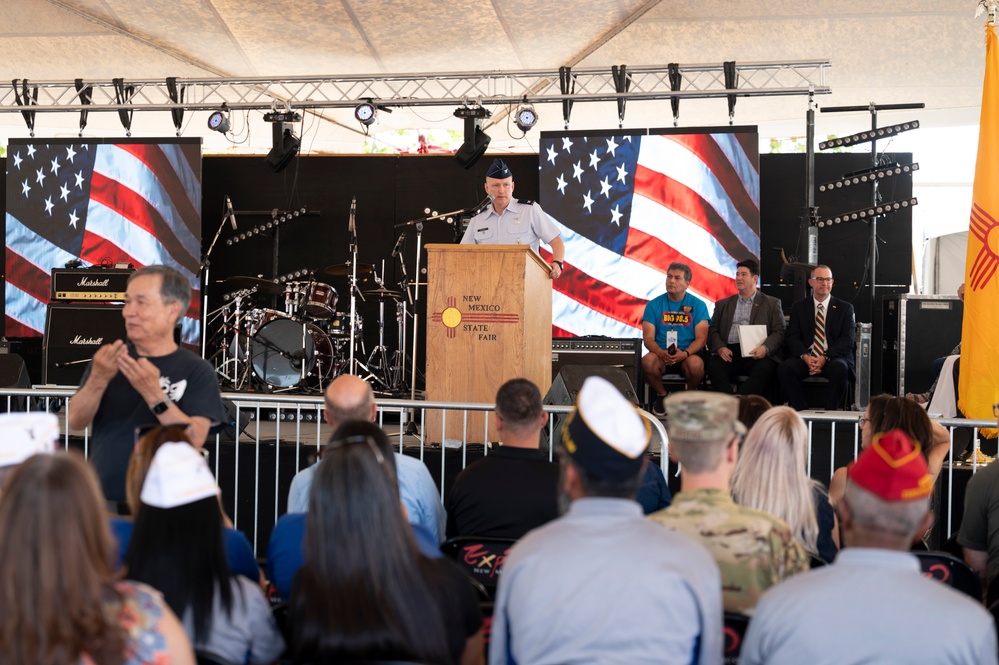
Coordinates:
[293,426]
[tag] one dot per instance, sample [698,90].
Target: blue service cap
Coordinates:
[499,169]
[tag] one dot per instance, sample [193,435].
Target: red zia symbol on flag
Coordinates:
[983,226]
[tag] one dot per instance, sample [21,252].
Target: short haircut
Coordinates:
[601,487]
[676,265]
[749,264]
[175,286]
[700,456]
[518,403]
[821,265]
[872,513]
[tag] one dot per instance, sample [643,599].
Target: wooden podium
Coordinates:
[489,319]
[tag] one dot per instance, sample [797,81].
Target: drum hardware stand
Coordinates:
[383,375]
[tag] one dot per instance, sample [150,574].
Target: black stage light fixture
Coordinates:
[526,117]
[869,135]
[868,213]
[869,175]
[365,113]
[218,122]
[476,140]
[284,143]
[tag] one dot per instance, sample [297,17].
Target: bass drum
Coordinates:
[278,353]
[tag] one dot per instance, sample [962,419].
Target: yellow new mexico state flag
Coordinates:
[978,389]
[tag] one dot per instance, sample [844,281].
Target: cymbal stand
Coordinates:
[355,292]
[380,372]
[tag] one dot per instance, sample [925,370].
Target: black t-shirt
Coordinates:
[186,379]
[503,495]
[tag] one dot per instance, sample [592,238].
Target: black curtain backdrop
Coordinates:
[391,190]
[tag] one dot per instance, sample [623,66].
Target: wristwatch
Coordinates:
[561,266]
[160,407]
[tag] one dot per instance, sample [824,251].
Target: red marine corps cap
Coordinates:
[892,468]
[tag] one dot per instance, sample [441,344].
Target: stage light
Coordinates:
[218,122]
[866,213]
[365,113]
[870,135]
[869,175]
[526,117]
[284,143]
[476,140]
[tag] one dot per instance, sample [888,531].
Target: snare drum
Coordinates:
[320,301]
[339,325]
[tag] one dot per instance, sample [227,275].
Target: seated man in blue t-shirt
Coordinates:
[675,331]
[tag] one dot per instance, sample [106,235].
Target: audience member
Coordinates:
[514,488]
[59,599]
[239,552]
[751,407]
[753,550]
[885,413]
[820,340]
[284,551]
[653,490]
[749,306]
[675,331]
[147,381]
[601,584]
[979,534]
[23,435]
[177,547]
[349,397]
[872,604]
[365,591]
[771,476]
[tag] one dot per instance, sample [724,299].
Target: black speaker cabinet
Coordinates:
[13,374]
[565,387]
[916,330]
[73,333]
[601,352]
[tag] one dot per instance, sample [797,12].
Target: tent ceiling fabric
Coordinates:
[890,51]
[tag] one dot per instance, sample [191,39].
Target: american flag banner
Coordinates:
[628,205]
[102,203]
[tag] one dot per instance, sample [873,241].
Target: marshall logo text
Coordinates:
[79,340]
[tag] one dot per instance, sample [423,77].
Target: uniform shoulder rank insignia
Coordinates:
[526,202]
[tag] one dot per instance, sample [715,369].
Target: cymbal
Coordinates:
[345,268]
[382,292]
[264,286]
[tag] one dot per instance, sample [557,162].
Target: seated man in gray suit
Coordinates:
[749,306]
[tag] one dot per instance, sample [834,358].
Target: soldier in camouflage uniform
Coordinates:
[754,550]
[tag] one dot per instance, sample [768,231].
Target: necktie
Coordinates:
[819,343]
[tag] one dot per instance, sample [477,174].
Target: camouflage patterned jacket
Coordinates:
[753,550]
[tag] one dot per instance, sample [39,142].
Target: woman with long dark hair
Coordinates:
[59,600]
[365,591]
[177,547]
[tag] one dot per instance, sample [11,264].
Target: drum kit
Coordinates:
[291,336]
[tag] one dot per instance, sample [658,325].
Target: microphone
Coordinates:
[232,215]
[398,243]
[482,205]
[352,227]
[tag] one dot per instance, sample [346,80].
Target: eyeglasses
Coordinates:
[358,439]
[862,419]
[822,279]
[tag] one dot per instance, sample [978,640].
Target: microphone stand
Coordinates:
[205,264]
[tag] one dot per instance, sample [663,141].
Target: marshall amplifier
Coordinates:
[101,284]
[625,353]
[73,333]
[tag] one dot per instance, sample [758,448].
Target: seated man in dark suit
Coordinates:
[514,488]
[820,339]
[749,306]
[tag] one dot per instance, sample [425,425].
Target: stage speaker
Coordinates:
[227,428]
[916,330]
[13,374]
[565,387]
[73,333]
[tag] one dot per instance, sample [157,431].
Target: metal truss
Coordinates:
[583,84]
